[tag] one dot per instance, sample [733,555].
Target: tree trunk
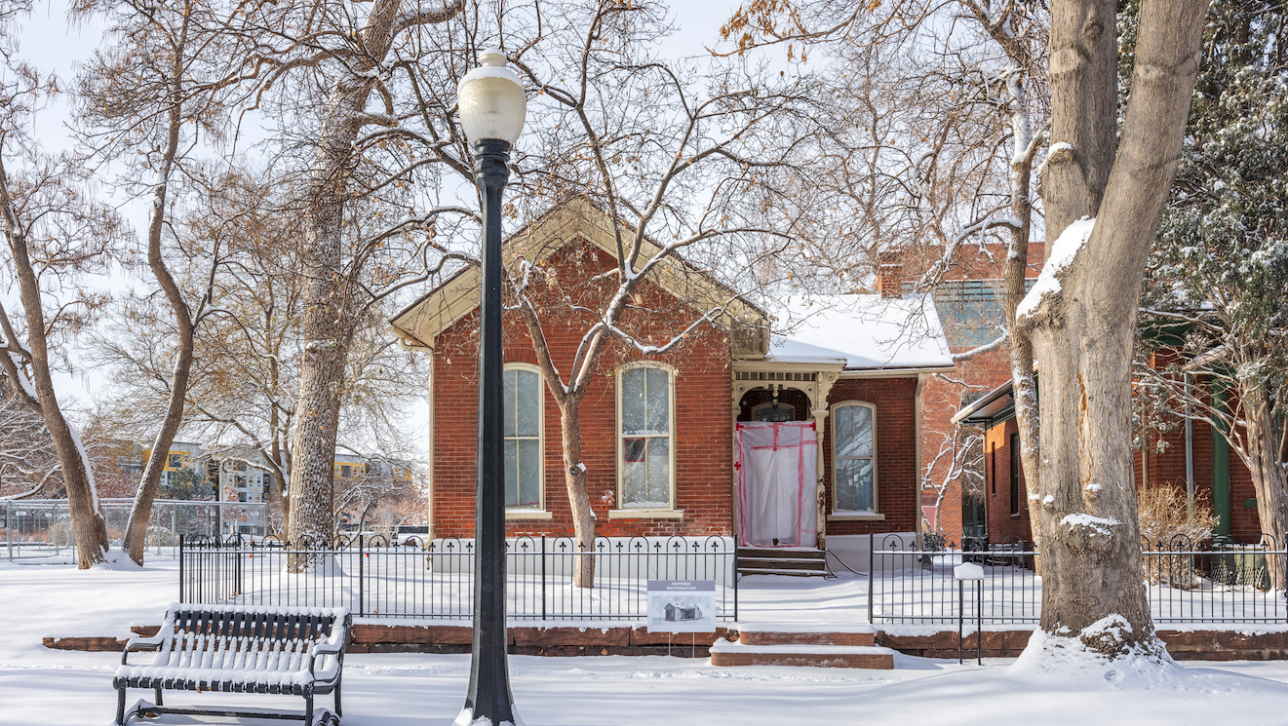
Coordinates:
[583,518]
[136,531]
[1082,327]
[1084,99]
[89,529]
[326,325]
[1269,478]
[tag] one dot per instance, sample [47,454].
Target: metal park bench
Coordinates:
[293,651]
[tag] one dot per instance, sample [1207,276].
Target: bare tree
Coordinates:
[947,111]
[678,158]
[351,58]
[1103,199]
[54,234]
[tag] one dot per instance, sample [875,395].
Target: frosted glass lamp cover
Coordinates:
[490,100]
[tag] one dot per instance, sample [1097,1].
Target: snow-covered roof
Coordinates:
[863,332]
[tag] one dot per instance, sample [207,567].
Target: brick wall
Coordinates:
[1002,525]
[1168,469]
[897,479]
[702,425]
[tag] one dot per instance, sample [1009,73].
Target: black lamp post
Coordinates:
[492,109]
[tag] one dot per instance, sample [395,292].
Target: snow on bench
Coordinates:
[240,649]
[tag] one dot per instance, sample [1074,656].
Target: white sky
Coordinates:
[49,41]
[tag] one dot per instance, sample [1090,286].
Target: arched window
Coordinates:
[646,451]
[854,457]
[524,469]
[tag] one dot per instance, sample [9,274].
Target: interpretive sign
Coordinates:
[682,606]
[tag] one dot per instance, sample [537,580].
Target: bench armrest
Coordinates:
[140,643]
[336,649]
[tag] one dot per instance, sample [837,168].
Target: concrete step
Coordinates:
[724,653]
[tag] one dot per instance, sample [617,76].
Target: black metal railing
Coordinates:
[375,576]
[1214,581]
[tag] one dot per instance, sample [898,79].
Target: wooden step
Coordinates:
[780,563]
[791,553]
[789,573]
[861,637]
[724,653]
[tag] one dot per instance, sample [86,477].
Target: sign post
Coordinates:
[682,606]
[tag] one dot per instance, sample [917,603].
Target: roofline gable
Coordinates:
[418,324]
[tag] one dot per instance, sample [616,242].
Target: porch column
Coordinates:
[820,418]
[824,379]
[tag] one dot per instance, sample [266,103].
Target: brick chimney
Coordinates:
[890,279]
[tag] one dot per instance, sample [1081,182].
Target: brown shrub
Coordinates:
[1168,524]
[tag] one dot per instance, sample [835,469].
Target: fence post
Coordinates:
[8,527]
[362,572]
[181,580]
[735,577]
[872,573]
[543,577]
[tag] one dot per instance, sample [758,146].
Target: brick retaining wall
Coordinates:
[1220,645]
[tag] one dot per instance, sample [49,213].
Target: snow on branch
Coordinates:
[994,345]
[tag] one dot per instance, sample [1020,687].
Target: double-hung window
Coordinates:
[523,450]
[647,451]
[854,457]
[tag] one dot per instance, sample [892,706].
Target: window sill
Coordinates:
[646,514]
[856,517]
[527,514]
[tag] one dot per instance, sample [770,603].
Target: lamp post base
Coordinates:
[466,718]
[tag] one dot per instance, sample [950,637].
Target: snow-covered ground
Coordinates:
[41,686]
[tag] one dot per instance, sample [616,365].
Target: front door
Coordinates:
[777,477]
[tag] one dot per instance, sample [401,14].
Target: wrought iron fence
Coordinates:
[375,576]
[1187,582]
[910,585]
[42,528]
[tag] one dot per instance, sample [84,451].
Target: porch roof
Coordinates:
[863,332]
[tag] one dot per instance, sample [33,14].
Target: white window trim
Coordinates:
[533,512]
[876,490]
[623,512]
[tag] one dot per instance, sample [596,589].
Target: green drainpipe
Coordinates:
[1220,466]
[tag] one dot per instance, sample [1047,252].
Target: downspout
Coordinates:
[916,428]
[1189,452]
[429,474]
[1220,465]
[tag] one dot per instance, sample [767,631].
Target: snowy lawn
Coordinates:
[40,686]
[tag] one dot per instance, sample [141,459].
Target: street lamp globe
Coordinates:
[490,100]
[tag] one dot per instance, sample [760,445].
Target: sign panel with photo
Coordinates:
[681,606]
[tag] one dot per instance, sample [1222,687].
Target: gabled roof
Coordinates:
[864,332]
[440,308]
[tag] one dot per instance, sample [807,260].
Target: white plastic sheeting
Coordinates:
[777,478]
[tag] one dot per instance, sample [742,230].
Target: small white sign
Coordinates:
[682,606]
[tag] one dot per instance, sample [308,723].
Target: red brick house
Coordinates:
[1198,452]
[661,434]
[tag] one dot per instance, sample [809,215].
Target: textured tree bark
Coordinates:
[137,530]
[583,519]
[1084,99]
[1092,586]
[326,321]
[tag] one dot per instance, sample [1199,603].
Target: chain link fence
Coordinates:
[36,529]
